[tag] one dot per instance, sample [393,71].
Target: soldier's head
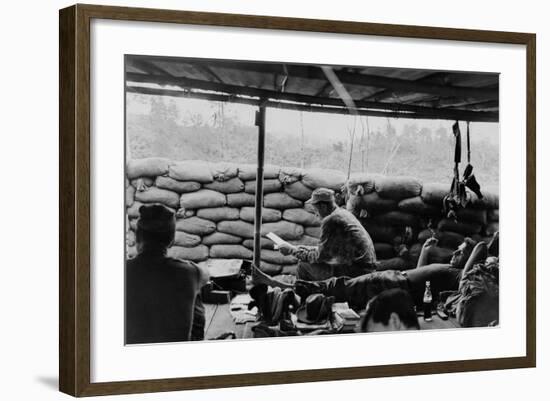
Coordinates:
[156,228]
[323,201]
[462,253]
[391,310]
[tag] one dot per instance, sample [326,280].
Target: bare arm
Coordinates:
[423,260]
[478,255]
[202,274]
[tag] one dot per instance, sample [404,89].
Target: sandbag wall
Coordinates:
[214,206]
[401,213]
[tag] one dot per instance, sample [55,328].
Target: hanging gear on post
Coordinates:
[458,196]
[468,177]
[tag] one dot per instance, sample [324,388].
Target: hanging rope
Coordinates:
[352,135]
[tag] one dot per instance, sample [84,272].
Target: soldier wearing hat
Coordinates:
[162,293]
[345,247]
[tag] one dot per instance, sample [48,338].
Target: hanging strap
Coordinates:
[468,139]
[458,144]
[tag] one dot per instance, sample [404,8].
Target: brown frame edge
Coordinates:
[74,199]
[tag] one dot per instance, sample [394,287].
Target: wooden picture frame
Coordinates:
[75,206]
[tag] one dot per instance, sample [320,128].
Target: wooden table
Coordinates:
[220,321]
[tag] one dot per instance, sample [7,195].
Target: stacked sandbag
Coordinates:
[397,211]
[214,205]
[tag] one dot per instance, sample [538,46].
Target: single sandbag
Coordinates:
[416,205]
[271,185]
[440,255]
[132,223]
[230,252]
[277,257]
[202,199]
[489,200]
[159,195]
[247,172]
[241,199]
[397,218]
[450,239]
[433,193]
[191,170]
[217,238]
[302,217]
[133,211]
[470,215]
[298,191]
[129,196]
[195,225]
[414,253]
[459,227]
[398,187]
[130,238]
[270,268]
[373,203]
[268,215]
[384,250]
[379,232]
[195,254]
[186,240]
[224,171]
[361,183]
[236,227]
[284,229]
[314,232]
[324,178]
[230,186]
[131,252]
[281,200]
[150,167]
[219,213]
[265,243]
[177,186]
[288,175]
[142,183]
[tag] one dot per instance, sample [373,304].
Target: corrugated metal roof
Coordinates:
[379,91]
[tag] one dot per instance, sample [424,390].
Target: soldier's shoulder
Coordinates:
[181,263]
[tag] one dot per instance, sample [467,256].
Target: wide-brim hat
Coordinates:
[316,309]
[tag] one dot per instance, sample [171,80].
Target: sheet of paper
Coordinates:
[276,239]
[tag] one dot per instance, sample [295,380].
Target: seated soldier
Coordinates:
[357,291]
[476,302]
[345,247]
[391,310]
[442,276]
[162,293]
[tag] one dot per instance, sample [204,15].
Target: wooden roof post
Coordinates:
[260,122]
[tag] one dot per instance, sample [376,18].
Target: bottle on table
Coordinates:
[427,300]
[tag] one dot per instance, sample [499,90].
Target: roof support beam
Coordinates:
[443,114]
[291,97]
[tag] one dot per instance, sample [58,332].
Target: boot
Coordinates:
[472,184]
[468,171]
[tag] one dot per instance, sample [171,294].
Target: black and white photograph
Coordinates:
[274,199]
